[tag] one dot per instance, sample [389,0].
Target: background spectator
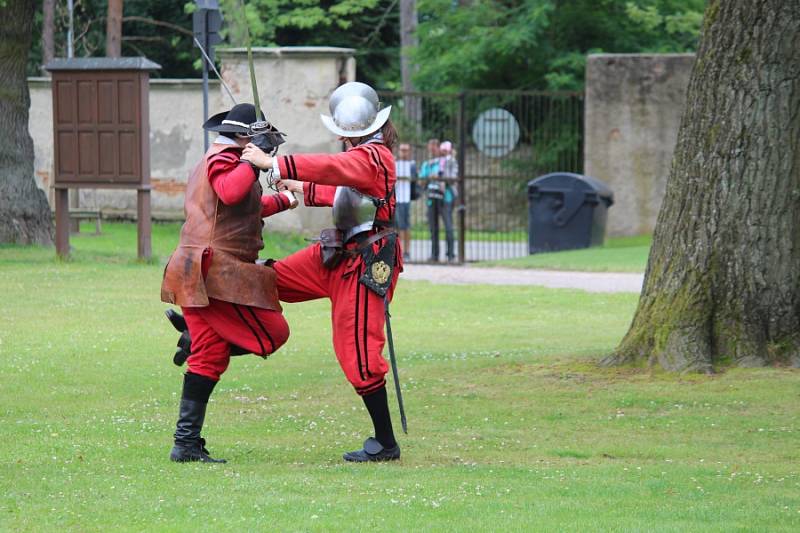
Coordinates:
[440,194]
[406,169]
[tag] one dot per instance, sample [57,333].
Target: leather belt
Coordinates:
[364,240]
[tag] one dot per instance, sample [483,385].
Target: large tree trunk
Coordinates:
[114,29]
[723,279]
[24,211]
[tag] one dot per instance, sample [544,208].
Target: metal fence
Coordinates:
[501,140]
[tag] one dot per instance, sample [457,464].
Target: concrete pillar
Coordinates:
[294,85]
[634,104]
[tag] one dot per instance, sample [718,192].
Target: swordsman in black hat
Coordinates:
[229,302]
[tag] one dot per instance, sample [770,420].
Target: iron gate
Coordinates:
[501,140]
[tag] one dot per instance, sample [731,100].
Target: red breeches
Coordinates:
[357,313]
[214,328]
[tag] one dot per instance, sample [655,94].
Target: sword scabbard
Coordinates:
[393,361]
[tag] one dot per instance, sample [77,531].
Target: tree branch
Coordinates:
[154,22]
[149,38]
[379,25]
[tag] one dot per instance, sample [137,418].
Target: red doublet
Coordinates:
[357,312]
[232,179]
[215,327]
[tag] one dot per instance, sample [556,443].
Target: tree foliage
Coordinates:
[372,27]
[541,44]
[158,30]
[514,44]
[162,31]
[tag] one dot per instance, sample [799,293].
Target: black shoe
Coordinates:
[197,452]
[373,451]
[184,349]
[185,341]
[189,446]
[176,319]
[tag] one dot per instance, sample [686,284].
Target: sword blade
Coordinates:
[214,68]
[393,361]
[253,83]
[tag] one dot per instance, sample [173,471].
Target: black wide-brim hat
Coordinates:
[237,120]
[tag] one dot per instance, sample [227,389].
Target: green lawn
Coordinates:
[621,254]
[512,426]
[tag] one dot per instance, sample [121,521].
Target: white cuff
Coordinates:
[276,168]
[291,197]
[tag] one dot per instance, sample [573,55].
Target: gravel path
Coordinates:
[554,279]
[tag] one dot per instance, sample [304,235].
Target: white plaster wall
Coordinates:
[294,86]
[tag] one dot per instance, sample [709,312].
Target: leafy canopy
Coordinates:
[369,26]
[463,44]
[541,44]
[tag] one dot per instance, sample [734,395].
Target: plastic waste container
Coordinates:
[566,211]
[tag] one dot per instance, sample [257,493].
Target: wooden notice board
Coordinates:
[101,132]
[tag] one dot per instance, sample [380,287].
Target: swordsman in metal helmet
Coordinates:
[356,264]
[229,301]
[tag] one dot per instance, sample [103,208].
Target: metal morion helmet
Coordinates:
[355,111]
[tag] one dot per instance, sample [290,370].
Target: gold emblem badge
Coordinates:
[381,272]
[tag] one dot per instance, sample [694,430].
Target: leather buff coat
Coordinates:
[232,234]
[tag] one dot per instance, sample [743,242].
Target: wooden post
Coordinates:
[62,222]
[144,223]
[74,203]
[114,29]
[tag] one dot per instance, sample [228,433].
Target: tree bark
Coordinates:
[409,41]
[114,29]
[48,33]
[24,211]
[722,284]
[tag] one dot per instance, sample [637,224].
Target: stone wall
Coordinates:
[294,86]
[633,104]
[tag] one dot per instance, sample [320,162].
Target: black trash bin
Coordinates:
[566,211]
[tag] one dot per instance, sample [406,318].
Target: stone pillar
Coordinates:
[294,84]
[634,104]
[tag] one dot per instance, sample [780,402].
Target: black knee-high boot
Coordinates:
[382,447]
[189,445]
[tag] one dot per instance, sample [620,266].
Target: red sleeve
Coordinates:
[273,203]
[315,195]
[230,178]
[362,168]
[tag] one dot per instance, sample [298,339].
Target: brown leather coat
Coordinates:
[232,234]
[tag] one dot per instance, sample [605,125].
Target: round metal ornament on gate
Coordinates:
[495,132]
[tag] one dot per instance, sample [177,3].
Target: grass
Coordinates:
[117,245]
[422,233]
[512,426]
[621,254]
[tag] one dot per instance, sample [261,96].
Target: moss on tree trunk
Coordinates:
[24,211]
[723,279]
